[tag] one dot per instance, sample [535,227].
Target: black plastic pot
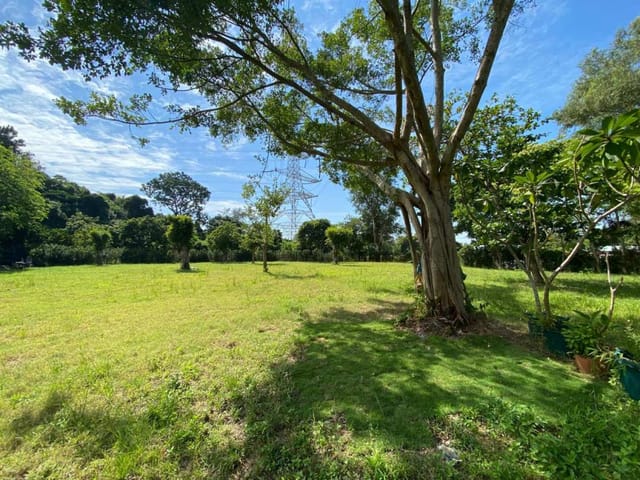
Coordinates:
[535,327]
[553,337]
[555,342]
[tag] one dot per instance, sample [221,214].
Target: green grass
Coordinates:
[138,371]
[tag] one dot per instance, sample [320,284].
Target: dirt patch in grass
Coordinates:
[442,327]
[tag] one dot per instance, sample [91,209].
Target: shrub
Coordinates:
[52,254]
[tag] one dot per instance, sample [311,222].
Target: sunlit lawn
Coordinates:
[138,371]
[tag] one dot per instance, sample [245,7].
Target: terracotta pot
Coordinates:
[590,365]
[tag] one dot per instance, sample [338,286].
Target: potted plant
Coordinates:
[584,334]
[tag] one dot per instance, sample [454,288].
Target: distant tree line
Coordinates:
[50,220]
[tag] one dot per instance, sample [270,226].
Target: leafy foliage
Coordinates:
[180,193]
[9,139]
[22,205]
[224,238]
[339,239]
[100,239]
[263,205]
[585,332]
[311,236]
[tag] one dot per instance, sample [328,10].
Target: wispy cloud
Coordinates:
[218,207]
[229,175]
[100,158]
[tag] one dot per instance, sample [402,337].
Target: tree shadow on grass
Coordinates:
[163,440]
[599,287]
[58,418]
[359,398]
[191,271]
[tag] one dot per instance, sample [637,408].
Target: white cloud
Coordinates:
[229,175]
[218,207]
[101,158]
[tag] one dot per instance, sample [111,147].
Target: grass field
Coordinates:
[138,371]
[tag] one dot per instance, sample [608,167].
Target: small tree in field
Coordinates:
[338,238]
[180,235]
[100,239]
[605,168]
[263,205]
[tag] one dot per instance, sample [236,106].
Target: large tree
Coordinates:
[489,159]
[370,93]
[338,238]
[609,84]
[225,238]
[180,193]
[136,207]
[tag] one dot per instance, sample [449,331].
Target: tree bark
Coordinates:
[265,266]
[412,247]
[443,265]
[184,259]
[444,292]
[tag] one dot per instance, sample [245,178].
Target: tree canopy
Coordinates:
[263,205]
[9,139]
[338,238]
[180,193]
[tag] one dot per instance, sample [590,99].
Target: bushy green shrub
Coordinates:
[51,254]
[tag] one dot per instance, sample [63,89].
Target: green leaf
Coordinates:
[519,179]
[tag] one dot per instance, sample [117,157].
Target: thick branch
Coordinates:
[401,28]
[501,11]
[438,71]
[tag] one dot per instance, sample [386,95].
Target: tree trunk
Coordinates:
[265,246]
[429,212]
[534,269]
[596,257]
[184,259]
[265,266]
[496,257]
[444,291]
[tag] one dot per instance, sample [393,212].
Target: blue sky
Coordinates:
[537,63]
